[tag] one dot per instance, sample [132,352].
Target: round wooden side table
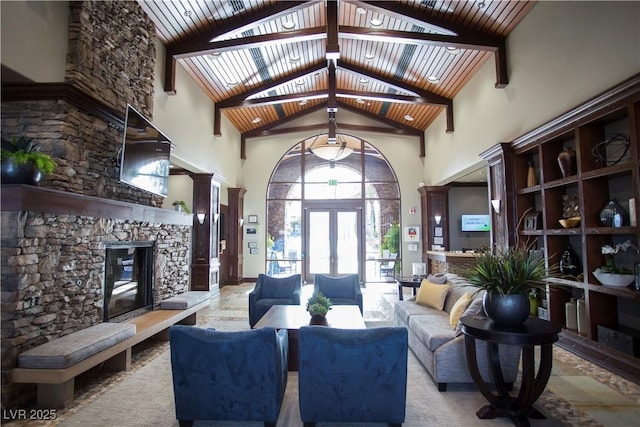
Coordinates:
[534,332]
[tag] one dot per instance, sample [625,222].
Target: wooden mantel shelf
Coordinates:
[44,200]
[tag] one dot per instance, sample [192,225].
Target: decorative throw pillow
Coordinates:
[432,295]
[458,308]
[474,308]
[438,278]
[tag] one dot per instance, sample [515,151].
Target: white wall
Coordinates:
[561,54]
[34,38]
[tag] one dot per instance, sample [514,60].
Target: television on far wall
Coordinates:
[476,222]
[145,154]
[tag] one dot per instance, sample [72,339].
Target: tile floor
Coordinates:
[604,396]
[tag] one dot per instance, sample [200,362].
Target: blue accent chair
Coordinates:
[344,290]
[352,375]
[239,376]
[273,291]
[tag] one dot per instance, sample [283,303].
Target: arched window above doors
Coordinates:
[358,192]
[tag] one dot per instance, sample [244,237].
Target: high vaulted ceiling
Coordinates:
[265,63]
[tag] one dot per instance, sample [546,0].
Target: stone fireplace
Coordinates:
[55,238]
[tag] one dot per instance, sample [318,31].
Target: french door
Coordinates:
[333,239]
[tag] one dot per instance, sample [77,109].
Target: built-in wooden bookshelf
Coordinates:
[593,184]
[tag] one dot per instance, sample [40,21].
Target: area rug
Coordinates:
[145,398]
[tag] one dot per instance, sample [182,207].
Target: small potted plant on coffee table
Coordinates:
[318,306]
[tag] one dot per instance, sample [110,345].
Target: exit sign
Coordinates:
[333,182]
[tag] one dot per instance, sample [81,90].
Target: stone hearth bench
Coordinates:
[54,365]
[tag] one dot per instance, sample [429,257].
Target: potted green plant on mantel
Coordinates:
[508,275]
[23,163]
[318,306]
[181,206]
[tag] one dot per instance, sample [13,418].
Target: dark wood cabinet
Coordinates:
[234,227]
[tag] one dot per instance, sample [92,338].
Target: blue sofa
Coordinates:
[352,375]
[238,376]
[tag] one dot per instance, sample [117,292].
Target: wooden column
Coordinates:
[204,258]
[434,201]
[234,234]
[501,181]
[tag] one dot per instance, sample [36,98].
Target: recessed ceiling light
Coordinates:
[360,101]
[433,79]
[288,25]
[299,82]
[376,22]
[364,81]
[408,118]
[232,84]
[303,102]
[369,56]
[256,120]
[453,50]
[213,56]
[361,11]
[294,58]
[187,13]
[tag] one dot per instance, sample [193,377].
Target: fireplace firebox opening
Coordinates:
[128,281]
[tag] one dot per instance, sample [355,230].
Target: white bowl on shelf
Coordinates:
[611,279]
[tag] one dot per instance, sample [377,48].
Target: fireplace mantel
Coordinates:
[44,200]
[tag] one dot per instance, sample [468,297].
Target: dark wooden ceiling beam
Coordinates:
[382,97]
[377,118]
[332,51]
[243,23]
[231,102]
[240,23]
[429,97]
[280,99]
[263,40]
[474,41]
[407,13]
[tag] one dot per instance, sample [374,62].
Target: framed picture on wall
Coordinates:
[252,245]
[412,233]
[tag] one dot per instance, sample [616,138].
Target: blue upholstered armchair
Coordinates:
[352,375]
[344,290]
[273,291]
[238,376]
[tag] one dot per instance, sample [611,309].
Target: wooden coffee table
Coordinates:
[292,317]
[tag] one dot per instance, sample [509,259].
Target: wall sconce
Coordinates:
[497,204]
[216,217]
[240,221]
[437,218]
[200,218]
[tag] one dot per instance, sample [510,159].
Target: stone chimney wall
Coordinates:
[52,264]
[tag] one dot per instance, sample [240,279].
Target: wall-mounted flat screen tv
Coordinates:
[145,155]
[476,222]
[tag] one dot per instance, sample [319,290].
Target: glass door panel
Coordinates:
[319,251]
[347,242]
[333,241]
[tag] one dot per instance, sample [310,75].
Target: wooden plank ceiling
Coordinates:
[401,63]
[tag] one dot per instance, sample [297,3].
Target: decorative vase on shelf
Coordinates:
[614,279]
[581,311]
[567,162]
[508,310]
[614,215]
[571,314]
[531,175]
[569,263]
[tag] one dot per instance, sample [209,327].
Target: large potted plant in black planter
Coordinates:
[508,275]
[23,163]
